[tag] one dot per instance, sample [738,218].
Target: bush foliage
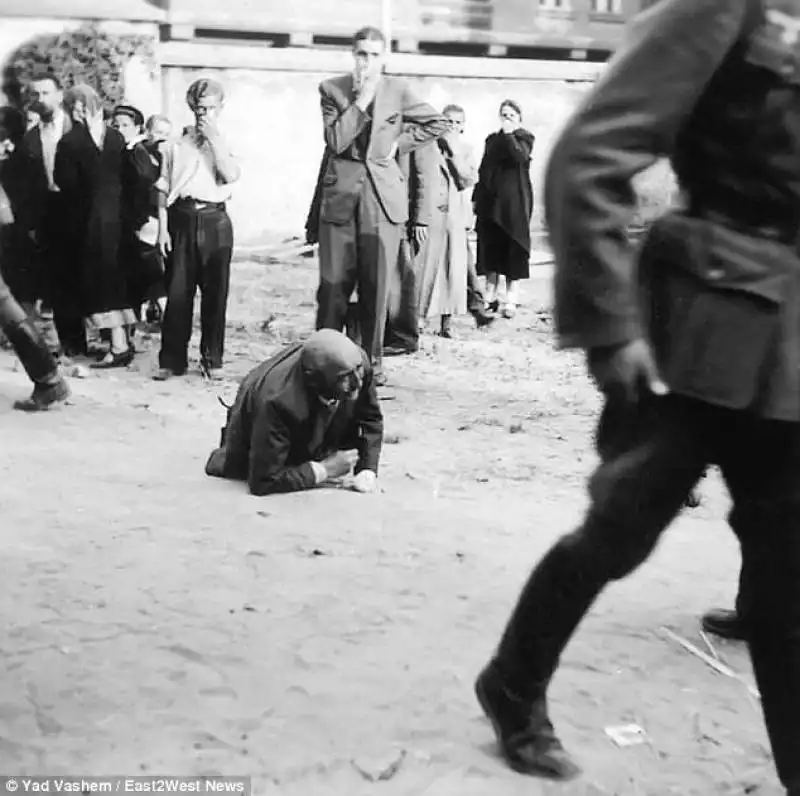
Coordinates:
[87,55]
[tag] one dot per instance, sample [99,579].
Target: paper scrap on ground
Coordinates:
[627,735]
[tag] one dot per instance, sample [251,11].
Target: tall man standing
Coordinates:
[59,286]
[696,350]
[196,234]
[364,196]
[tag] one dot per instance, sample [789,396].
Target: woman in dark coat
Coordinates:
[503,207]
[88,171]
[141,257]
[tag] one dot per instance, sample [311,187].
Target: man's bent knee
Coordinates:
[615,548]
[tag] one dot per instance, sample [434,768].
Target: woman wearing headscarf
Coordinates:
[141,257]
[307,415]
[503,201]
[88,172]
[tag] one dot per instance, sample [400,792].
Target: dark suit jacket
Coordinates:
[272,432]
[32,146]
[394,106]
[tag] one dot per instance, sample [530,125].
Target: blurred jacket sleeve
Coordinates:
[366,432]
[627,122]
[426,124]
[423,166]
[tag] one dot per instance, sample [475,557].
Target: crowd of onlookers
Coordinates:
[99,202]
[116,223]
[82,249]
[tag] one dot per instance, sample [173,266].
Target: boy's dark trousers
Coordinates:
[202,248]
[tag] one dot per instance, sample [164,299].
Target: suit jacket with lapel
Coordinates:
[34,152]
[394,106]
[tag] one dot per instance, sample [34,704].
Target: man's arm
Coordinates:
[225,162]
[630,119]
[270,443]
[65,170]
[422,168]
[341,127]
[516,146]
[461,163]
[426,124]
[163,186]
[369,420]
[315,209]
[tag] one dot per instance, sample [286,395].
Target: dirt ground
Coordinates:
[158,621]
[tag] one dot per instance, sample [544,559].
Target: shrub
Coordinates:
[87,55]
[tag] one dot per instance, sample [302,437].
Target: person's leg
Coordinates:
[476,302]
[49,385]
[378,249]
[727,623]
[760,461]
[512,298]
[182,279]
[402,325]
[651,456]
[215,252]
[337,273]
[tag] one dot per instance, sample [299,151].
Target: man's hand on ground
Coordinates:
[365,482]
[340,463]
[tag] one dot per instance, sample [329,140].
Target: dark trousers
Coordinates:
[26,340]
[475,300]
[202,247]
[359,252]
[651,457]
[402,323]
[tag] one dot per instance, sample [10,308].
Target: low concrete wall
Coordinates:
[273,119]
[273,116]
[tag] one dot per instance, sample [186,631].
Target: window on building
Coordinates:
[560,5]
[607,6]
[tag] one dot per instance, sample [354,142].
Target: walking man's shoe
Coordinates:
[164,374]
[44,396]
[527,739]
[725,624]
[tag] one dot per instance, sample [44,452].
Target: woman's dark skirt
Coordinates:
[499,253]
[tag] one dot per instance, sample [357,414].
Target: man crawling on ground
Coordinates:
[307,415]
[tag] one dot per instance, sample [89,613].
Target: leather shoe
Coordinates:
[399,350]
[527,739]
[725,624]
[44,396]
[482,318]
[164,374]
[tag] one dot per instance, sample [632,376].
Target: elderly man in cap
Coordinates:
[307,415]
[196,235]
